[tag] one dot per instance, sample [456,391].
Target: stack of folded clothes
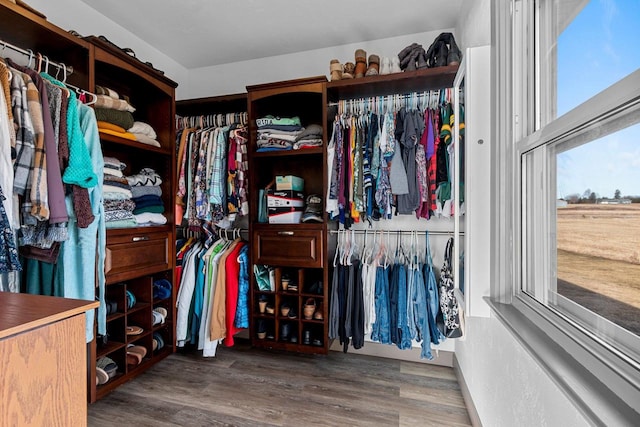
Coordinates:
[277,133]
[146,192]
[118,206]
[114,115]
[310,137]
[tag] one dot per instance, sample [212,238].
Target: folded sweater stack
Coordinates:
[114,115]
[146,192]
[118,206]
[277,133]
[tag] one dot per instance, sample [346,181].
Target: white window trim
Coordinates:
[604,384]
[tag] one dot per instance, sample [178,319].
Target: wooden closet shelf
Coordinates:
[285,153]
[134,144]
[390,84]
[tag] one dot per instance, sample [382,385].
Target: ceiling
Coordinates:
[199,33]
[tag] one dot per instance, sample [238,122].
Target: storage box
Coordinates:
[289,182]
[285,198]
[285,215]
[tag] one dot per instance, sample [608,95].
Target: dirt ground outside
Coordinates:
[599,260]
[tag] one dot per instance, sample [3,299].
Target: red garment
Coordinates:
[232,267]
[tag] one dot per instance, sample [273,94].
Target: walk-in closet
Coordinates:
[325,213]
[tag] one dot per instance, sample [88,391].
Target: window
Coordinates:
[576,199]
[579,171]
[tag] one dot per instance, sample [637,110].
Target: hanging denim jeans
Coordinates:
[433,300]
[433,303]
[380,331]
[404,335]
[393,303]
[420,312]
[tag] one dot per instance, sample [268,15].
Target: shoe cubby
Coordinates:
[115,338]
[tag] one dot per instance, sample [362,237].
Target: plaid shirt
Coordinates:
[24,134]
[37,204]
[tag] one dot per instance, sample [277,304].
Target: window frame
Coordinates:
[601,380]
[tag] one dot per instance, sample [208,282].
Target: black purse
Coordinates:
[448,319]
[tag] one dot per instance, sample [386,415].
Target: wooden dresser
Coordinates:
[44,360]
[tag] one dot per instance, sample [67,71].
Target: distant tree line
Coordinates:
[589,196]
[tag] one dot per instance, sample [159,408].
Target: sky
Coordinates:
[600,47]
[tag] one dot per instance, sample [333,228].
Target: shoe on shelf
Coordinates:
[270,309]
[385,66]
[348,71]
[284,309]
[294,339]
[262,329]
[374,66]
[292,314]
[317,342]
[335,68]
[101,376]
[306,337]
[309,308]
[315,288]
[319,313]
[395,65]
[285,332]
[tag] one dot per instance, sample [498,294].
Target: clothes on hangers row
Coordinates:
[212,120]
[212,303]
[387,296]
[396,163]
[51,169]
[212,175]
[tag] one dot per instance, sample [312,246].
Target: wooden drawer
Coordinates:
[134,255]
[297,248]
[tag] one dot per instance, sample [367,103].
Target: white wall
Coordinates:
[233,78]
[508,387]
[474,26]
[76,15]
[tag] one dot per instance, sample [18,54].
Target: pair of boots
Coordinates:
[443,51]
[358,70]
[412,57]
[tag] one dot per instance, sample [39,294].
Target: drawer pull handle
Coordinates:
[285,233]
[140,238]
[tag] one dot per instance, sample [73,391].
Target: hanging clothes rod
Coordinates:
[212,120]
[379,104]
[431,232]
[67,69]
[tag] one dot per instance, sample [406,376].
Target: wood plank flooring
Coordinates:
[248,387]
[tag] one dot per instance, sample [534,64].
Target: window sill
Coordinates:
[603,387]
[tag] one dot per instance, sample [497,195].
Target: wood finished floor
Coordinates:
[248,387]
